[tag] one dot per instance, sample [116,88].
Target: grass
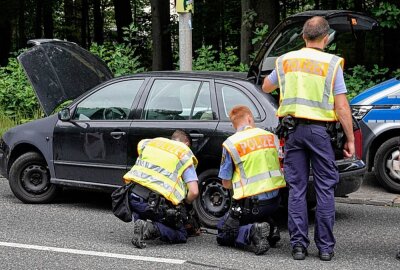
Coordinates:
[6,123]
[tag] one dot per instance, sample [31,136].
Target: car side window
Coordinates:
[113,102]
[178,100]
[231,96]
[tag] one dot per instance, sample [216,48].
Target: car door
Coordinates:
[176,103]
[91,148]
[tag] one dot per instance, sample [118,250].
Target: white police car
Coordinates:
[378,112]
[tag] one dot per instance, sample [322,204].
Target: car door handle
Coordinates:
[196,135]
[117,134]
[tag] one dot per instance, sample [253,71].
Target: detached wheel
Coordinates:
[213,201]
[30,179]
[383,165]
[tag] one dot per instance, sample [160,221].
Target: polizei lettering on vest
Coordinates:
[305,65]
[173,149]
[255,143]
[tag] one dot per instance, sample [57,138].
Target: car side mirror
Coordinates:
[64,114]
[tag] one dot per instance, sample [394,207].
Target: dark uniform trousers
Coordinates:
[305,144]
[167,234]
[242,234]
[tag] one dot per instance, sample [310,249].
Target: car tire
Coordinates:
[213,200]
[30,179]
[383,165]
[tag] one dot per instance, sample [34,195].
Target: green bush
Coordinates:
[120,57]
[209,59]
[17,98]
[360,78]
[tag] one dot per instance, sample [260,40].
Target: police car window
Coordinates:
[113,102]
[177,100]
[232,96]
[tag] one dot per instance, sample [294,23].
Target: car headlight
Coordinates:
[360,111]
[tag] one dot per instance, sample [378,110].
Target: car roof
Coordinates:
[196,74]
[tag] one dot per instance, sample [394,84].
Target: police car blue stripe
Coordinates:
[374,94]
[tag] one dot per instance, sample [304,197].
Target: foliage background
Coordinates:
[217,29]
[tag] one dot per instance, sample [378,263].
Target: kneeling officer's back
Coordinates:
[250,166]
[164,180]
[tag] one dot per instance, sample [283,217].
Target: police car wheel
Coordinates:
[386,169]
[213,200]
[30,179]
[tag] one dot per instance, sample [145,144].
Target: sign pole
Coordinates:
[185,35]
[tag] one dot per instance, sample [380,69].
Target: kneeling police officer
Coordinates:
[250,166]
[165,184]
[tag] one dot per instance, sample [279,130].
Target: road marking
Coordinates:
[94,253]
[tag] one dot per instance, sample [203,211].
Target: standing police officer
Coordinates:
[250,166]
[313,92]
[164,177]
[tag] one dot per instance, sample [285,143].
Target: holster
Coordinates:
[338,137]
[286,124]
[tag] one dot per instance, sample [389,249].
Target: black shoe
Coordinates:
[258,237]
[274,236]
[144,230]
[398,255]
[326,256]
[299,252]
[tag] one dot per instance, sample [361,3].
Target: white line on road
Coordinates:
[94,253]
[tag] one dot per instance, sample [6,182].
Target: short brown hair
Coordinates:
[181,136]
[315,28]
[239,112]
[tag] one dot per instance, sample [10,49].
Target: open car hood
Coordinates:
[339,20]
[60,71]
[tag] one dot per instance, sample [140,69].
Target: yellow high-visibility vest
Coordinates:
[255,155]
[306,79]
[160,165]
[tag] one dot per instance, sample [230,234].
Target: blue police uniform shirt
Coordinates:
[189,175]
[226,173]
[339,87]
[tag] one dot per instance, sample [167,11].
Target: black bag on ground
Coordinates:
[120,203]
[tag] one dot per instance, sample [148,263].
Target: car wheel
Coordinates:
[213,201]
[383,165]
[30,179]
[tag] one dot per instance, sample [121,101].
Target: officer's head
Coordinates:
[316,30]
[181,136]
[241,115]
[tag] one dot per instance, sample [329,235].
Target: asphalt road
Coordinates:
[79,231]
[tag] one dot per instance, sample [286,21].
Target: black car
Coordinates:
[92,142]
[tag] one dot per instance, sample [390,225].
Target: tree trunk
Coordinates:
[5,40]
[98,22]
[161,35]
[268,13]
[21,25]
[245,34]
[69,24]
[84,23]
[38,19]
[329,4]
[123,16]
[48,25]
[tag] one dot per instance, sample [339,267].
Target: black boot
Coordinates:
[274,233]
[144,230]
[258,237]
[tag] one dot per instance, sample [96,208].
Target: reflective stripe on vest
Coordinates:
[162,173]
[308,65]
[247,147]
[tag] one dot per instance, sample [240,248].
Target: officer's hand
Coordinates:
[349,149]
